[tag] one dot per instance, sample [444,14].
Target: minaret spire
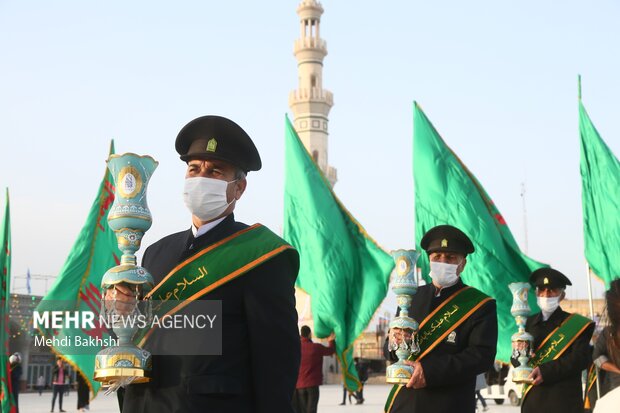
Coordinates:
[311,103]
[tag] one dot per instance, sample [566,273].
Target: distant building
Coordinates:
[310,102]
[582,306]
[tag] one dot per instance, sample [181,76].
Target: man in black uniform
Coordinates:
[463,345]
[257,369]
[561,344]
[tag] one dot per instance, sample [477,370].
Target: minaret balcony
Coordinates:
[313,94]
[310,43]
[310,9]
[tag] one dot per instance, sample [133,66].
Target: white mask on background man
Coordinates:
[443,274]
[548,304]
[206,197]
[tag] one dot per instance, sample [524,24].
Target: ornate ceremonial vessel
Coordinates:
[129,218]
[522,341]
[404,286]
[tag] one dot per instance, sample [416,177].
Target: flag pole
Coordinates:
[589,277]
[591,302]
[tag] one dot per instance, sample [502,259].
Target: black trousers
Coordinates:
[16,398]
[306,400]
[359,395]
[59,389]
[83,394]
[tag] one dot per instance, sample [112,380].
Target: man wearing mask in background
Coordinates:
[463,340]
[254,280]
[15,363]
[561,346]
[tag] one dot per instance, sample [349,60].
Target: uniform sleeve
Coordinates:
[269,300]
[146,257]
[477,357]
[575,359]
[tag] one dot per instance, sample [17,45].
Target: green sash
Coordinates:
[441,322]
[211,268]
[557,342]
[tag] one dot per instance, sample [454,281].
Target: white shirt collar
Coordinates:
[438,290]
[206,227]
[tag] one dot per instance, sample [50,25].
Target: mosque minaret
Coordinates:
[310,102]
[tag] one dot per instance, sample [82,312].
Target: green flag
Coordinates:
[446,192]
[77,287]
[600,183]
[6,396]
[343,270]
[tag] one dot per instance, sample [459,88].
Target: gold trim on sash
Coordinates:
[201,253]
[453,327]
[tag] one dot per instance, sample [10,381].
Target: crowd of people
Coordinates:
[60,384]
[447,374]
[256,288]
[449,371]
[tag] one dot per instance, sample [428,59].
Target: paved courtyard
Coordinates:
[331,396]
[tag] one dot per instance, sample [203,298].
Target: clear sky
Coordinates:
[497,78]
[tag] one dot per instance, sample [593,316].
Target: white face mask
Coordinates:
[206,197]
[443,274]
[548,304]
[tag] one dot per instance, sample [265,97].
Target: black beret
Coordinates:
[216,137]
[549,278]
[446,238]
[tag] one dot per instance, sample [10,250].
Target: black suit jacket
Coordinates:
[258,368]
[560,390]
[450,369]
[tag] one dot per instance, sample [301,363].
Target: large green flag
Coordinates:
[600,183]
[343,270]
[6,396]
[77,287]
[446,192]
